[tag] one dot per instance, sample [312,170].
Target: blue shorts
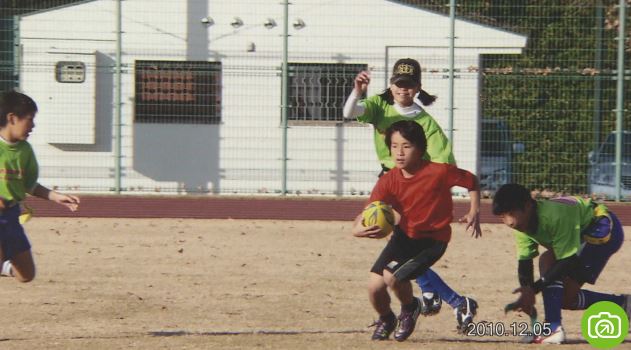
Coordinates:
[12,237]
[594,257]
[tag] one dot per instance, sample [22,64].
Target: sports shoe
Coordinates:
[384,327]
[407,322]
[431,306]
[556,337]
[465,313]
[7,268]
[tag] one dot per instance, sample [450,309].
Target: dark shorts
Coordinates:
[408,258]
[594,257]
[12,237]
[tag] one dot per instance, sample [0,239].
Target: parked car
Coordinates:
[602,170]
[497,149]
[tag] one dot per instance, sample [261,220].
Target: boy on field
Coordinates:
[419,192]
[579,236]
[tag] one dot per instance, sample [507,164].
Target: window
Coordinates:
[70,72]
[608,149]
[317,91]
[178,92]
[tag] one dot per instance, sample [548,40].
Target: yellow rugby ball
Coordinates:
[380,214]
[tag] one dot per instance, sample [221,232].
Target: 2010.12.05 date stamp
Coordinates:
[513,329]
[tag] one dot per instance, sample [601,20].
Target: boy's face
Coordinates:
[518,219]
[404,153]
[20,128]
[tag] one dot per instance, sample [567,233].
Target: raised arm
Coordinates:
[353,109]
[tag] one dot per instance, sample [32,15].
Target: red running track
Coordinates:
[221,207]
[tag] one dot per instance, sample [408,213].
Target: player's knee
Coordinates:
[390,280]
[25,279]
[25,276]
[376,285]
[570,300]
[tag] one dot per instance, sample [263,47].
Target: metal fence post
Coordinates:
[284,93]
[452,41]
[118,99]
[620,94]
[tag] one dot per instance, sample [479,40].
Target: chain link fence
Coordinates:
[535,91]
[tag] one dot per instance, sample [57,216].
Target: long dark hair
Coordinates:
[425,98]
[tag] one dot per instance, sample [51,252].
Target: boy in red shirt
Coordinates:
[419,191]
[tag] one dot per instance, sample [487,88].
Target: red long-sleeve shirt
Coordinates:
[424,200]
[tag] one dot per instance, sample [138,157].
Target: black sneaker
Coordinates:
[465,313]
[431,306]
[407,322]
[384,327]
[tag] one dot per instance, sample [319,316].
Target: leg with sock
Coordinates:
[552,302]
[431,282]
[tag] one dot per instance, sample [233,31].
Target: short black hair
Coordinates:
[511,197]
[16,103]
[411,131]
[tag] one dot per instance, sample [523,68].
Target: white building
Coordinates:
[65,63]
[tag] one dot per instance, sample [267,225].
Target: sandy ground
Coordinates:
[237,284]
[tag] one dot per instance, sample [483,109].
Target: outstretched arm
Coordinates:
[69,201]
[472,218]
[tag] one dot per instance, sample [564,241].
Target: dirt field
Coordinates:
[237,284]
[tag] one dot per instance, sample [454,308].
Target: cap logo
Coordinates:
[404,69]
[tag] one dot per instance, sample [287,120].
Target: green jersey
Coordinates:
[381,114]
[19,170]
[560,224]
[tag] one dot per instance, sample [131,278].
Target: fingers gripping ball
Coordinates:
[380,214]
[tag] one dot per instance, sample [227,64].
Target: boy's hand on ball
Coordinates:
[373,231]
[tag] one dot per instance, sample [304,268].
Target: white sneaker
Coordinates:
[465,312]
[5,271]
[556,337]
[431,304]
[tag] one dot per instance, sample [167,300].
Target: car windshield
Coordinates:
[608,149]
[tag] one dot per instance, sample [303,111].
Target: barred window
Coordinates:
[317,91]
[178,92]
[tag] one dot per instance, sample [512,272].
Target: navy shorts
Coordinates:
[594,257]
[408,258]
[12,237]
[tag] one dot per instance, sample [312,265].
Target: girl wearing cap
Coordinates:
[398,103]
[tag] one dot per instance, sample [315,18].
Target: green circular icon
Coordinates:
[604,325]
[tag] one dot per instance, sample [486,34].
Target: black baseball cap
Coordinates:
[406,69]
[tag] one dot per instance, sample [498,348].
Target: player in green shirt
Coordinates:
[399,102]
[18,176]
[579,237]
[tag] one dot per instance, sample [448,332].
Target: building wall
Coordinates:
[243,153]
